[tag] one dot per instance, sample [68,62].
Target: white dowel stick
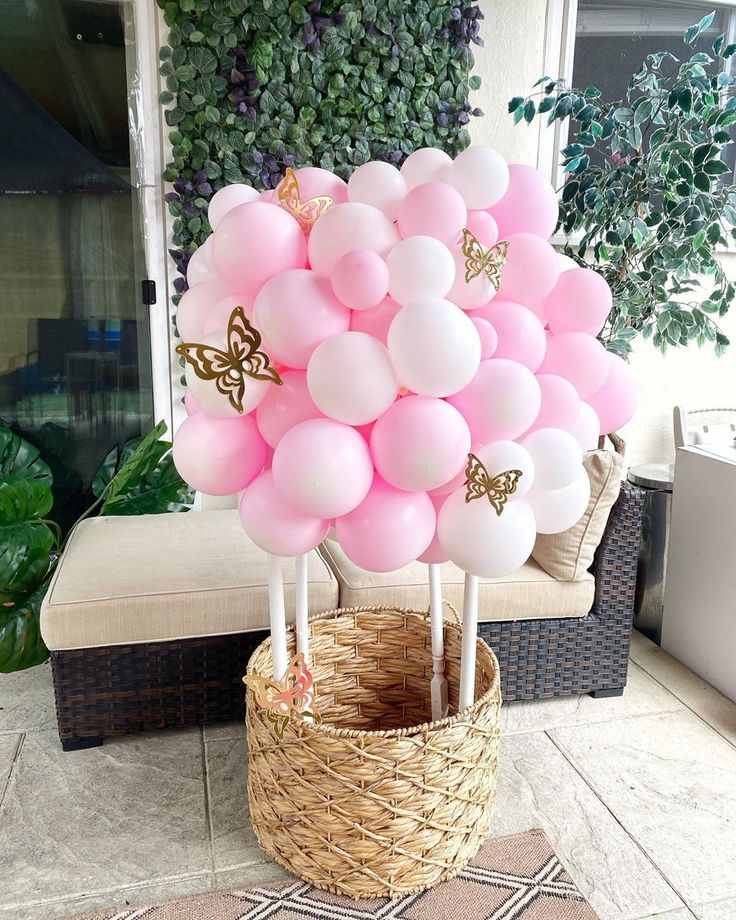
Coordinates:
[470,629]
[301,588]
[438,687]
[277,615]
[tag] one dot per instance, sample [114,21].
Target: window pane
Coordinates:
[613,39]
[74,340]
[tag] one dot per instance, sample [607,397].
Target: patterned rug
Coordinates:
[511,878]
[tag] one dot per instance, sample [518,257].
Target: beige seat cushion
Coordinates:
[567,556]
[527,594]
[166,576]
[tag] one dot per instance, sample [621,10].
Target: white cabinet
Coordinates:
[699,626]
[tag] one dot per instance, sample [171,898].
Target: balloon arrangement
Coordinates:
[402,361]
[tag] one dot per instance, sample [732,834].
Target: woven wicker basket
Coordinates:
[377,800]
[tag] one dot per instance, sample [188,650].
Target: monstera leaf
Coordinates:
[26,545]
[21,645]
[140,478]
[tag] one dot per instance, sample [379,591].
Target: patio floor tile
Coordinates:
[233,840]
[671,782]
[27,700]
[694,692]
[248,876]
[642,695]
[132,811]
[118,899]
[8,750]
[718,910]
[224,731]
[539,788]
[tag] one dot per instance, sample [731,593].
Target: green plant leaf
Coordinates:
[21,645]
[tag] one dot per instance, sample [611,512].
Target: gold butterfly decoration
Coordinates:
[486,261]
[292,698]
[496,488]
[229,369]
[305,213]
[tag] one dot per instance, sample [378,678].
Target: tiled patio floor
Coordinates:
[637,794]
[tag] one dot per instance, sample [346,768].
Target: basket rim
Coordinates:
[327,728]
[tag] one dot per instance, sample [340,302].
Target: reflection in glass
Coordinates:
[74,342]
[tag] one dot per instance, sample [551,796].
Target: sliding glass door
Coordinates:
[75,362]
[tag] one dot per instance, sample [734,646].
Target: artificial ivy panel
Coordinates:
[258,85]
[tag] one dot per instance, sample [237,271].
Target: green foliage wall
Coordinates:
[258,85]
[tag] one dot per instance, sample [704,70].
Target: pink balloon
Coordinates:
[389,529]
[190,403]
[314,182]
[560,403]
[218,456]
[274,525]
[500,402]
[579,358]
[360,279]
[427,164]
[376,322]
[529,206]
[434,554]
[228,198]
[200,267]
[296,311]
[615,402]
[483,227]
[256,241]
[285,406]
[349,226]
[218,317]
[488,337]
[420,443]
[579,302]
[433,209]
[521,336]
[195,305]
[453,484]
[323,467]
[531,271]
[471,294]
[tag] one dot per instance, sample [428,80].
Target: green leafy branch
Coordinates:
[646,196]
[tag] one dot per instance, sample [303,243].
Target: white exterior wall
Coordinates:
[510,62]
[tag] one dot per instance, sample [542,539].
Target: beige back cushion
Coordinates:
[567,556]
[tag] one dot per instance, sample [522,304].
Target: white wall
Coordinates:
[510,62]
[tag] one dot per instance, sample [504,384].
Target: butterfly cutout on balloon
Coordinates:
[496,489]
[306,213]
[479,260]
[230,369]
[292,698]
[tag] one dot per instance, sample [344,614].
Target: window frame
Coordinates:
[559,61]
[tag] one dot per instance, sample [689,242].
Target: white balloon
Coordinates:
[434,347]
[347,226]
[378,184]
[556,510]
[420,266]
[482,542]
[587,428]
[351,378]
[469,295]
[228,198]
[566,263]
[428,164]
[201,267]
[211,399]
[557,457]
[481,175]
[499,456]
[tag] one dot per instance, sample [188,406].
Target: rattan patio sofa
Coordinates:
[172,652]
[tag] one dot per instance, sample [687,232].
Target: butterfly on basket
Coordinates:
[479,260]
[306,213]
[496,488]
[229,369]
[292,698]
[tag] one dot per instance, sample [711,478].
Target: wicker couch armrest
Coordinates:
[617,557]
